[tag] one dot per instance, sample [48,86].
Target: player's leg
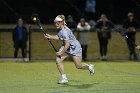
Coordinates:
[60,67]
[79,65]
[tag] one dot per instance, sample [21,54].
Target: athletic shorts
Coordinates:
[75,50]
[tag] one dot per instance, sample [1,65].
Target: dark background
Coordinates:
[116,10]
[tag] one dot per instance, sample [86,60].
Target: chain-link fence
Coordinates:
[40,49]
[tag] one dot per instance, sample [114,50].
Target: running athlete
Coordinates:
[70,46]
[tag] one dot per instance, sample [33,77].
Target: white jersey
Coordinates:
[83,35]
[66,34]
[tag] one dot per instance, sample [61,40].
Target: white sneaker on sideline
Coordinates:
[91,69]
[63,81]
[25,59]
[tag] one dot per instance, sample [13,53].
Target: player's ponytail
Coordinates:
[60,18]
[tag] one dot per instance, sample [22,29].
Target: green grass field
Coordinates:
[42,77]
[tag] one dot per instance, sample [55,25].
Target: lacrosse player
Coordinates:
[70,46]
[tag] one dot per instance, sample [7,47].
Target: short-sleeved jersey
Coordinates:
[75,47]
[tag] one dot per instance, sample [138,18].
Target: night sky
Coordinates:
[116,10]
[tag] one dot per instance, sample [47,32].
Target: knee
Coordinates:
[58,61]
[79,66]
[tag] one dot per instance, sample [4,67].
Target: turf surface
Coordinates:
[42,77]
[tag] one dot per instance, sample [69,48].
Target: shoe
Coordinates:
[63,81]
[101,58]
[91,69]
[25,59]
[104,58]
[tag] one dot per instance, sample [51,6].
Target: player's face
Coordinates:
[58,25]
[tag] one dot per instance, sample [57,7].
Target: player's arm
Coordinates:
[66,46]
[51,36]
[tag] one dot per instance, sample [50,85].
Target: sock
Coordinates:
[64,76]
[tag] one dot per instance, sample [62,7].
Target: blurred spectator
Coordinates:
[138,47]
[83,27]
[103,28]
[130,24]
[92,23]
[90,9]
[20,36]
[71,23]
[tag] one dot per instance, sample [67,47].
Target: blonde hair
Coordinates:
[63,18]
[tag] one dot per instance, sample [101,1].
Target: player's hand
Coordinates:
[58,54]
[47,36]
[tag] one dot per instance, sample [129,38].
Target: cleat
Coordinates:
[63,81]
[91,69]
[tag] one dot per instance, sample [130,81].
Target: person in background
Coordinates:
[83,36]
[71,23]
[138,47]
[92,24]
[20,37]
[103,28]
[130,24]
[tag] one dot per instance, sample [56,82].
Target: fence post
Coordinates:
[30,34]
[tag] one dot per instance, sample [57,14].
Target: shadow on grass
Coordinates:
[78,85]
[81,86]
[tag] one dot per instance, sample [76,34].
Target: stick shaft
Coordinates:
[123,33]
[43,30]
